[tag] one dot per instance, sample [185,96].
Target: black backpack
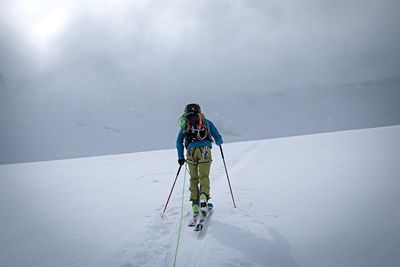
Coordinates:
[194,125]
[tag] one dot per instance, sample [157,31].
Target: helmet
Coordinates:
[192,109]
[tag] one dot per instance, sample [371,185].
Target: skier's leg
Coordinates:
[204,170]
[194,175]
[194,182]
[194,192]
[204,177]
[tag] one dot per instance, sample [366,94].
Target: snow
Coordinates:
[315,200]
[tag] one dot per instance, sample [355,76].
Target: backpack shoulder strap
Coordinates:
[205,121]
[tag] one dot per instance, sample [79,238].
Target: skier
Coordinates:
[197,133]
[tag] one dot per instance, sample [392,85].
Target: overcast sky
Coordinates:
[175,45]
[87,53]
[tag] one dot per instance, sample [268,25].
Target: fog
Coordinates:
[82,78]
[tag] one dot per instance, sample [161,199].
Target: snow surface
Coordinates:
[316,200]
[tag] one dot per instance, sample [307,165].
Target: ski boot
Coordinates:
[203,205]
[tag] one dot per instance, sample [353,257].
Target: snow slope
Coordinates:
[316,200]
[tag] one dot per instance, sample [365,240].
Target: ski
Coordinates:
[193,221]
[199,226]
[203,219]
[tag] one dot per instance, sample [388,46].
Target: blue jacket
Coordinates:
[213,131]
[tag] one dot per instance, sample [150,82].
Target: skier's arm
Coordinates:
[179,145]
[215,134]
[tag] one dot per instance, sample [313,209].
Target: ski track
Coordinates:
[199,248]
[232,229]
[160,236]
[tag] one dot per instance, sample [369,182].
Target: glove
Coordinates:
[218,143]
[181,161]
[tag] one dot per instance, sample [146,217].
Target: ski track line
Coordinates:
[235,166]
[196,252]
[198,244]
[247,156]
[158,240]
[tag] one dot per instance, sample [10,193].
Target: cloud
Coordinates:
[174,45]
[89,62]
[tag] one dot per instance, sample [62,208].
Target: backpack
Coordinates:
[194,127]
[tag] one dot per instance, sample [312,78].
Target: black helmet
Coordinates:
[192,109]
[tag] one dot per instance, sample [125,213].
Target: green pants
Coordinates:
[199,162]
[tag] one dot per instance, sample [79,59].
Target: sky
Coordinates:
[65,65]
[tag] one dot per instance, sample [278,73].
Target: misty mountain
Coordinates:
[66,125]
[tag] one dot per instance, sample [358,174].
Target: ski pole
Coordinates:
[227,176]
[170,193]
